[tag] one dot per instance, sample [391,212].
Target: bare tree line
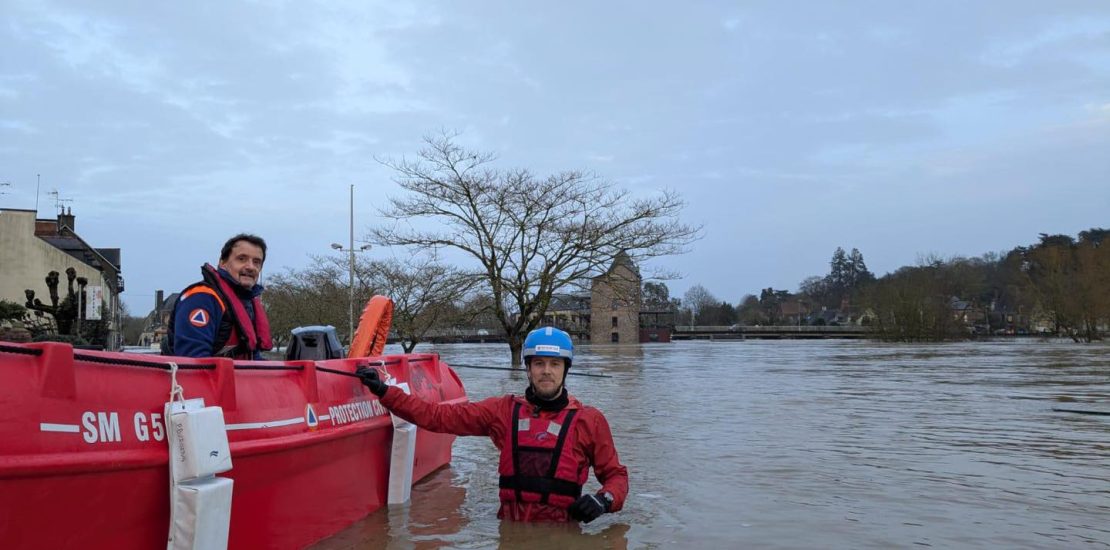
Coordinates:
[523,237]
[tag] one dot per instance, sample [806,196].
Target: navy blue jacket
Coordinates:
[199,323]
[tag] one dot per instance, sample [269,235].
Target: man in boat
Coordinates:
[548,439]
[222,315]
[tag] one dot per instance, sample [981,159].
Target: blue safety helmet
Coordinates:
[548,342]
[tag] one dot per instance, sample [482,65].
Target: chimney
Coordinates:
[157,300]
[67,219]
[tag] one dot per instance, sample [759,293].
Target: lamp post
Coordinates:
[351,265]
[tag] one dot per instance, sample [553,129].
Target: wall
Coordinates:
[615,294]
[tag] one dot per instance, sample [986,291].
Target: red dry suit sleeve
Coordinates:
[603,455]
[452,418]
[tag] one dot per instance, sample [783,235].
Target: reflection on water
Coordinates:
[793,444]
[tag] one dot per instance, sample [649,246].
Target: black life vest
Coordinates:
[537,460]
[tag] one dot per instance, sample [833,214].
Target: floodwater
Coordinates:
[804,444]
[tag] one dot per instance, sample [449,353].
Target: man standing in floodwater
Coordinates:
[548,439]
[222,315]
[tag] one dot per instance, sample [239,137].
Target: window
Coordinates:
[614,322]
[615,338]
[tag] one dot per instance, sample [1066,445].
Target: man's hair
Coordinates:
[225,252]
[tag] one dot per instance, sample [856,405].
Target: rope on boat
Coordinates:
[137,363]
[170,366]
[21,351]
[569,373]
[176,391]
[268,367]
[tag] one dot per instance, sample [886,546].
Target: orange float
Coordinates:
[373,328]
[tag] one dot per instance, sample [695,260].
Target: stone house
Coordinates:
[615,303]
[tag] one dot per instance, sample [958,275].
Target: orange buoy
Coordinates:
[373,328]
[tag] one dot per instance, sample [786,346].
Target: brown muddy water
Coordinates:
[804,444]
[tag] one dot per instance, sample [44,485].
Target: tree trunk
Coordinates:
[516,346]
[408,345]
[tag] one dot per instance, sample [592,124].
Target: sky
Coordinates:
[902,129]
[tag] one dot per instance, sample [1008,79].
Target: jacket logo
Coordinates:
[198,318]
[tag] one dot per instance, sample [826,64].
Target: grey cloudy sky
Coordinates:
[900,128]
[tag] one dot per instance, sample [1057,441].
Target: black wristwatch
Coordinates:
[608,498]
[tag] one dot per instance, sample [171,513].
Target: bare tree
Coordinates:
[530,236]
[316,295]
[424,294]
[698,299]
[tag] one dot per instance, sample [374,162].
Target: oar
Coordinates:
[1102,412]
[571,372]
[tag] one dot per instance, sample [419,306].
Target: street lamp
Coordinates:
[351,281]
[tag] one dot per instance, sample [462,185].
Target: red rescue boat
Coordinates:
[83,451]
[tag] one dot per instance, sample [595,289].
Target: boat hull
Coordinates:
[83,456]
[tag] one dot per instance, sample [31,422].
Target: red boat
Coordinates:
[83,451]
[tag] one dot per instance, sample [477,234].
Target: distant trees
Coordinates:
[1063,279]
[696,300]
[657,297]
[529,237]
[770,304]
[425,293]
[315,295]
[131,328]
[1060,285]
[11,311]
[848,274]
[426,296]
[1072,280]
[913,304]
[700,307]
[750,312]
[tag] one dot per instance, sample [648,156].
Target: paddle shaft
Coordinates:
[1081,411]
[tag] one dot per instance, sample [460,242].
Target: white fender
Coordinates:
[200,502]
[401,457]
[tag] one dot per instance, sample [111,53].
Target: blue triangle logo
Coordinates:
[310,416]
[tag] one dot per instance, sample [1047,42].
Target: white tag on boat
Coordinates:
[197,440]
[554,428]
[523,424]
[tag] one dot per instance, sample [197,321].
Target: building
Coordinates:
[612,311]
[615,303]
[157,322]
[570,312]
[30,248]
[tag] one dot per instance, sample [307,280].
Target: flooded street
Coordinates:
[804,444]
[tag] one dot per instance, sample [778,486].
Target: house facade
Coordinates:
[30,248]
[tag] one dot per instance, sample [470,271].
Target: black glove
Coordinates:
[588,508]
[372,380]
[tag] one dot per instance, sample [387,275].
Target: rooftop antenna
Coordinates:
[4,184]
[59,202]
